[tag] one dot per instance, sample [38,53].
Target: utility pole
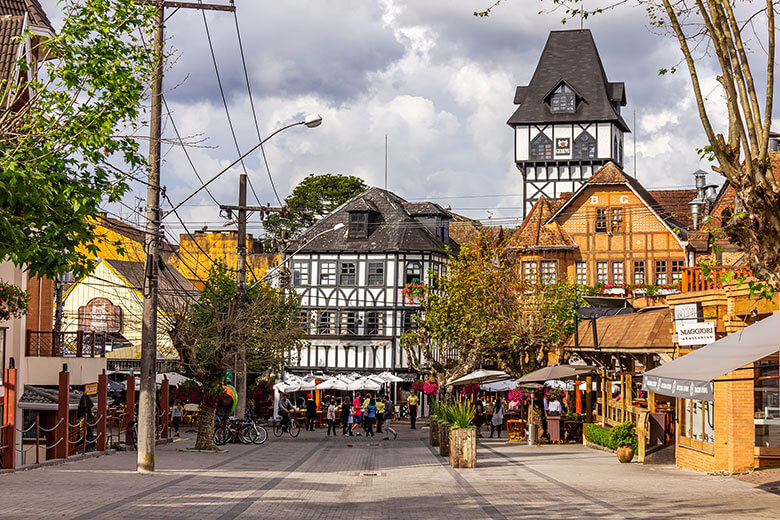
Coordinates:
[147,397]
[242,208]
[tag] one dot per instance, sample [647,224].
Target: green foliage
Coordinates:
[598,435]
[462,414]
[66,125]
[446,413]
[313,198]
[623,434]
[13,301]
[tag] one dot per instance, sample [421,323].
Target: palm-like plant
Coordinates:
[462,415]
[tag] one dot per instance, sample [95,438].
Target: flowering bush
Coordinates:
[430,386]
[469,389]
[13,301]
[414,292]
[417,386]
[553,394]
[521,395]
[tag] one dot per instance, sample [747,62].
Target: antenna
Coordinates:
[635,130]
[385,162]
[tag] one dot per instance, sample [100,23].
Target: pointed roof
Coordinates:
[611,173]
[536,233]
[32,8]
[393,228]
[571,57]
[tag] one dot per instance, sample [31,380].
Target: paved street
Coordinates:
[321,478]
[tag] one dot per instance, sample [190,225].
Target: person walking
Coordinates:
[331,417]
[380,412]
[388,417]
[346,418]
[412,402]
[357,412]
[311,412]
[370,415]
[497,420]
[176,413]
[479,416]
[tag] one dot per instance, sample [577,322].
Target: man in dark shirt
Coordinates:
[311,412]
[286,409]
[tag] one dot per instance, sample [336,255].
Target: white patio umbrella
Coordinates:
[481,376]
[500,386]
[391,378]
[365,383]
[174,378]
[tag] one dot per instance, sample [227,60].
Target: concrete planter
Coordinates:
[433,432]
[444,439]
[463,448]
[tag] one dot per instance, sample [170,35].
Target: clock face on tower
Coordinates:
[563,146]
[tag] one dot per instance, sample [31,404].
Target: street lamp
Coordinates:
[312,239]
[310,121]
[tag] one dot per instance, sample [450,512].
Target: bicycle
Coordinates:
[225,431]
[252,432]
[292,428]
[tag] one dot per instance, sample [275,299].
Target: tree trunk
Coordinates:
[205,440]
[463,448]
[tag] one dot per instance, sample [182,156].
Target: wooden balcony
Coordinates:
[695,279]
[49,343]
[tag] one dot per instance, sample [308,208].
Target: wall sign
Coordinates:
[695,333]
[100,315]
[688,313]
[91,388]
[562,146]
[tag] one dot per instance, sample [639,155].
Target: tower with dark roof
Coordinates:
[567,123]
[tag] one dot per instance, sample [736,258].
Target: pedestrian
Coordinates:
[479,417]
[331,417]
[380,412]
[370,414]
[176,413]
[412,403]
[366,401]
[346,418]
[357,412]
[388,417]
[497,420]
[311,412]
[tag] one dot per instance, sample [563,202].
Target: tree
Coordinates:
[746,77]
[210,332]
[480,309]
[313,198]
[65,126]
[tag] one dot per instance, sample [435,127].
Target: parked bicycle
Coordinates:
[292,428]
[252,431]
[246,432]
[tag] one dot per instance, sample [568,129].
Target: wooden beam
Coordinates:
[190,5]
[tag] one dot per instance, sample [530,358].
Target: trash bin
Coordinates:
[531,433]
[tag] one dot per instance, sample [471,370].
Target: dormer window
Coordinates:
[563,100]
[358,224]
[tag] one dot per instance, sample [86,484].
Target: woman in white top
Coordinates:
[497,421]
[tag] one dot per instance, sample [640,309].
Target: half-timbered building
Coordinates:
[567,123]
[351,281]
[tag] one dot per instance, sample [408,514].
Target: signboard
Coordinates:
[688,313]
[91,388]
[698,390]
[563,146]
[695,333]
[100,315]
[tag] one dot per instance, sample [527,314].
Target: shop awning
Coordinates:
[691,375]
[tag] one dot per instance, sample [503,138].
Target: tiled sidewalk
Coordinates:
[322,478]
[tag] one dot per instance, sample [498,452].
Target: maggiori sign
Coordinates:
[695,333]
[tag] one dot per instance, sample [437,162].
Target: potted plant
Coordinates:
[623,439]
[445,421]
[463,436]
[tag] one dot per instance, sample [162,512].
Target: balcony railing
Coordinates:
[695,279]
[49,343]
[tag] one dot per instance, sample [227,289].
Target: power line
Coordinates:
[254,113]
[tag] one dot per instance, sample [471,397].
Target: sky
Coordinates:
[436,80]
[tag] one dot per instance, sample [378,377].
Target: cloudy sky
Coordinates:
[438,81]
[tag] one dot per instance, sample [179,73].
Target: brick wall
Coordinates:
[734,434]
[688,458]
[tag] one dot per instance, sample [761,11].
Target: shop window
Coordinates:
[376,274]
[374,323]
[300,272]
[581,273]
[529,272]
[349,322]
[767,403]
[327,273]
[602,272]
[549,271]
[617,272]
[697,421]
[660,272]
[677,270]
[541,148]
[639,272]
[601,220]
[413,273]
[617,220]
[326,323]
[348,273]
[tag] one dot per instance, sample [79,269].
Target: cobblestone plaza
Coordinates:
[316,477]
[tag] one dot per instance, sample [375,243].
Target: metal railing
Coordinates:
[708,278]
[49,343]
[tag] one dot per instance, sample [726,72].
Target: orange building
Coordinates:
[611,231]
